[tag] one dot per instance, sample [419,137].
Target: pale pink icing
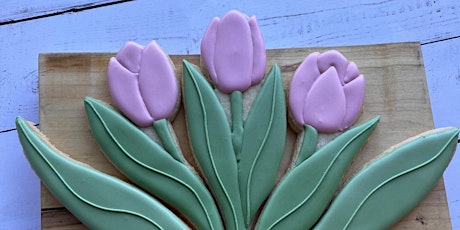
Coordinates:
[322,106]
[142,83]
[157,82]
[259,57]
[327,92]
[208,49]
[130,56]
[120,81]
[233,51]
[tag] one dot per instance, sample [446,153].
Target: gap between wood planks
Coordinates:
[71,9]
[440,40]
[11,130]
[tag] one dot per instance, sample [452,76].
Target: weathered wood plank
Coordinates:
[393,72]
[180,26]
[442,67]
[443,78]
[17,11]
[19,186]
[60,218]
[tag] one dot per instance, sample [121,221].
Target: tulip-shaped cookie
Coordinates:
[144,86]
[326,96]
[233,52]
[327,92]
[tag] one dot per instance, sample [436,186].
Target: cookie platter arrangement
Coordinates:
[240,137]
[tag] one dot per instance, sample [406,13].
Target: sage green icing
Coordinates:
[390,187]
[162,128]
[88,193]
[263,144]
[236,100]
[308,145]
[148,165]
[304,193]
[211,142]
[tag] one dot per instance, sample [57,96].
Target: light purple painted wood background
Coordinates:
[30,27]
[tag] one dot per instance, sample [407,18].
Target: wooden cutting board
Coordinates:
[395,89]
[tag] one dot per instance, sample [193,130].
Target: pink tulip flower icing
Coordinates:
[327,92]
[143,83]
[233,51]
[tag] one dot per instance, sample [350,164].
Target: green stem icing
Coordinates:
[308,145]
[236,99]
[162,128]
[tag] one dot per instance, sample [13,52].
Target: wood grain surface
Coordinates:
[395,89]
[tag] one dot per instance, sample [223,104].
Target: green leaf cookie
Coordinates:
[148,165]
[264,138]
[211,141]
[390,187]
[302,196]
[88,193]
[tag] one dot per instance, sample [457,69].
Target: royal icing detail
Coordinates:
[238,157]
[211,141]
[383,185]
[302,196]
[98,200]
[237,66]
[263,144]
[327,92]
[151,166]
[143,83]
